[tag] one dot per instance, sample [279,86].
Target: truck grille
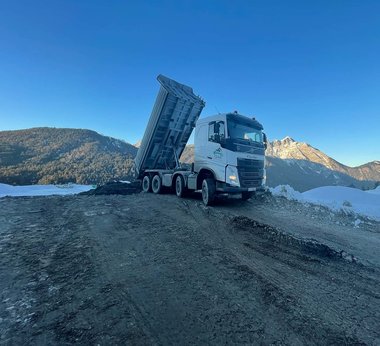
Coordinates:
[242,148]
[251,172]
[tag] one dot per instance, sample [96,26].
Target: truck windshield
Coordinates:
[242,131]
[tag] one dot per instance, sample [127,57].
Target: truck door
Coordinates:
[215,154]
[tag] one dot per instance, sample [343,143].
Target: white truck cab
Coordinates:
[229,148]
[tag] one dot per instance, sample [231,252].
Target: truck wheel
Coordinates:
[156,184]
[208,191]
[246,195]
[146,184]
[180,188]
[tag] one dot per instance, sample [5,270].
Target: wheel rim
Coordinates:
[145,183]
[205,192]
[178,186]
[155,184]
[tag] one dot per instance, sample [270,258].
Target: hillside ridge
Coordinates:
[59,155]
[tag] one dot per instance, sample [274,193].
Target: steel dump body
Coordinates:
[171,123]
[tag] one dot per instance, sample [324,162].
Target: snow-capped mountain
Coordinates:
[289,149]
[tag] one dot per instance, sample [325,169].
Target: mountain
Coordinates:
[368,171]
[188,154]
[55,155]
[289,149]
[305,167]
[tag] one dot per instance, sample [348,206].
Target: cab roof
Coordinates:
[233,116]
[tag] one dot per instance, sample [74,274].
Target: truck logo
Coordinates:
[218,153]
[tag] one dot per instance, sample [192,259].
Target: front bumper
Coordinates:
[227,188]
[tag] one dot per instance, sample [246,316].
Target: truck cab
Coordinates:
[229,148]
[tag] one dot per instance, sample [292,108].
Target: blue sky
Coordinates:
[307,69]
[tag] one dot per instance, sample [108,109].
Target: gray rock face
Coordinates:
[288,148]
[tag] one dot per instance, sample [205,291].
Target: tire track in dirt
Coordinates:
[270,281]
[148,269]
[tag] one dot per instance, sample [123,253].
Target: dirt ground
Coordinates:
[152,269]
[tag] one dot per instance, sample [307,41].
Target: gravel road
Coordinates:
[156,270]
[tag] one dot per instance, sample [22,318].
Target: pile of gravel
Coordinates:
[116,188]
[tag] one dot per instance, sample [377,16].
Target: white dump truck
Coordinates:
[229,148]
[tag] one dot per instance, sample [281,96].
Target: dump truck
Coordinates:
[229,148]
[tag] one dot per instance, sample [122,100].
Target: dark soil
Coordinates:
[157,270]
[115,188]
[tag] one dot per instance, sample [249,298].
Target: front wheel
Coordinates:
[208,191]
[246,195]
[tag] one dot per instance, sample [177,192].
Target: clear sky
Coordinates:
[307,69]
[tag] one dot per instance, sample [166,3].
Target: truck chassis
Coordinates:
[183,181]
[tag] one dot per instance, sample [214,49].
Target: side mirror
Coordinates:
[265,141]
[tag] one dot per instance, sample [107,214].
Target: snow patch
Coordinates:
[337,198]
[287,139]
[286,191]
[375,191]
[42,190]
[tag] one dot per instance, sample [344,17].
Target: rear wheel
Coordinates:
[180,188]
[156,184]
[208,191]
[246,195]
[146,184]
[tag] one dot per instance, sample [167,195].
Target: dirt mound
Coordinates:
[116,188]
[276,237]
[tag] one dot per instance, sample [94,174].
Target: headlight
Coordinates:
[264,177]
[232,176]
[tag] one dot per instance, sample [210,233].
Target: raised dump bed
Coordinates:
[173,118]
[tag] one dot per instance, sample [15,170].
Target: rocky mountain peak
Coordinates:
[287,139]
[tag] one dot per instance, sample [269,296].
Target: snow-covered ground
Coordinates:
[337,198]
[42,190]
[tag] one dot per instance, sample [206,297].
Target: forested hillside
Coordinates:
[53,155]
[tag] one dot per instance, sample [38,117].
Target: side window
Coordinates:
[221,131]
[211,133]
[216,131]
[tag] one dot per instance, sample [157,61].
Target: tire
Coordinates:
[180,188]
[208,191]
[146,184]
[246,195]
[156,184]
